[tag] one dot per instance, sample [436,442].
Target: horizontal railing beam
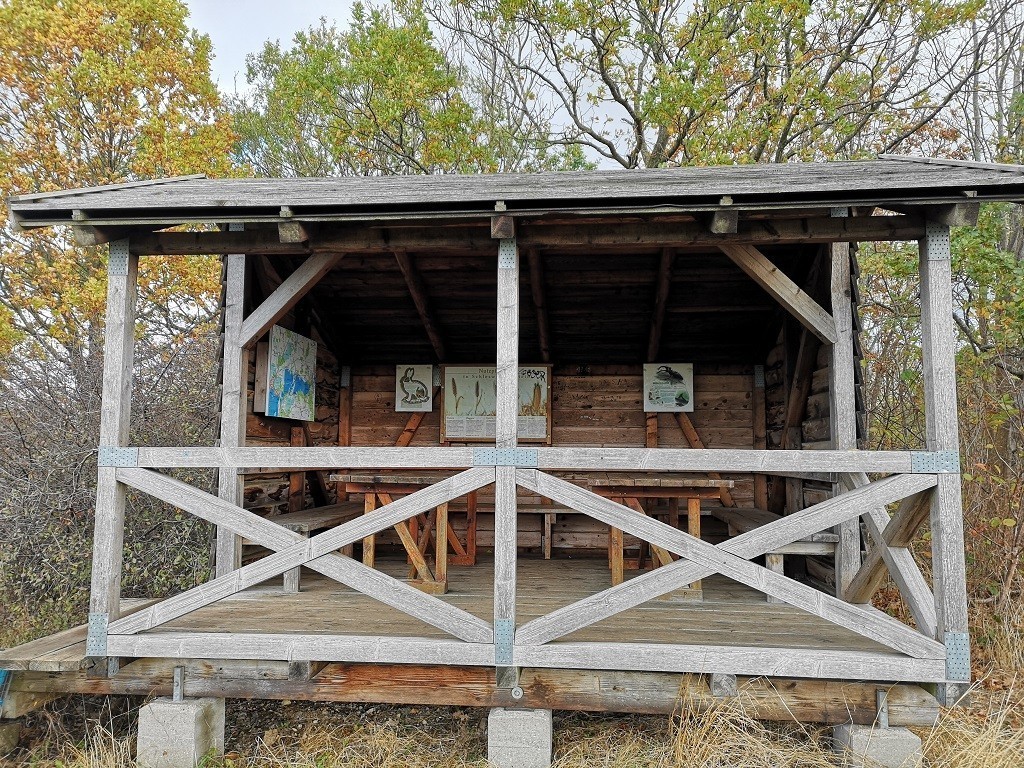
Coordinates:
[575,459]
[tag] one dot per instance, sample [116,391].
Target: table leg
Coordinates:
[693,528]
[292,577]
[369,543]
[615,554]
[441,545]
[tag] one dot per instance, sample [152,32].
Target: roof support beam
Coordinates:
[950,215]
[539,304]
[286,296]
[418,291]
[786,292]
[364,238]
[660,302]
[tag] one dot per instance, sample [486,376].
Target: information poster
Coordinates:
[468,403]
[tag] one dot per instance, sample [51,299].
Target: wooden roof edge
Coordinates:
[33,196]
[1004,167]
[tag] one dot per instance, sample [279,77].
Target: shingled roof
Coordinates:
[890,179]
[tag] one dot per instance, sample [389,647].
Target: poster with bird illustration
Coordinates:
[668,387]
[414,388]
[468,403]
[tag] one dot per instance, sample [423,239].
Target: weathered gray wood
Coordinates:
[938,348]
[506,429]
[421,299]
[115,416]
[302,647]
[900,563]
[723,685]
[234,372]
[294,549]
[786,292]
[597,459]
[737,660]
[843,403]
[729,558]
[287,295]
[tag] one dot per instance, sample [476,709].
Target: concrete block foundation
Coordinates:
[178,734]
[10,733]
[519,738]
[866,746]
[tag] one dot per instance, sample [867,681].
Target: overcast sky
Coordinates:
[241,28]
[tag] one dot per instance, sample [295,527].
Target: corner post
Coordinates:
[843,403]
[115,418]
[947,525]
[506,423]
[234,373]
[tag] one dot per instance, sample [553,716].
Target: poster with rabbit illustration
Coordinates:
[668,387]
[414,388]
[468,403]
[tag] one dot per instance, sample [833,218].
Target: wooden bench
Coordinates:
[745,520]
[306,522]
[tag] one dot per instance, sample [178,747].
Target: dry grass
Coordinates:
[987,735]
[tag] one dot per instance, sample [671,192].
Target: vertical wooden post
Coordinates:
[115,418]
[506,423]
[344,432]
[234,372]
[947,526]
[843,403]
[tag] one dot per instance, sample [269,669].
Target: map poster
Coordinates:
[668,387]
[468,403]
[291,375]
[414,388]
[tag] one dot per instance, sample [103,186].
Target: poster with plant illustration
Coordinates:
[668,387]
[291,375]
[468,403]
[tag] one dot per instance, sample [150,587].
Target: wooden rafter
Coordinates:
[539,304]
[286,296]
[664,283]
[763,272]
[420,297]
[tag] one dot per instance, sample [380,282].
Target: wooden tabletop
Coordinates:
[594,479]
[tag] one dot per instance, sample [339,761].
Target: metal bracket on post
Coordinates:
[839,212]
[114,456]
[504,636]
[178,686]
[236,226]
[507,253]
[758,377]
[958,656]
[117,259]
[96,639]
[936,237]
[882,708]
[934,462]
[504,457]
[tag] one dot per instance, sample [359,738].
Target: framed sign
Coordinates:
[668,387]
[414,388]
[291,375]
[468,409]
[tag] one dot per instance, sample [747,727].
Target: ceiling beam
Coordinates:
[587,233]
[420,297]
[285,296]
[660,303]
[540,305]
[799,303]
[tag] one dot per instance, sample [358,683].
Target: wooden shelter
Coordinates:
[619,559]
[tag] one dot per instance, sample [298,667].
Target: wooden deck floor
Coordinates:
[731,614]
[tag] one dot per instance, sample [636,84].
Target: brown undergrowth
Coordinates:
[988,734]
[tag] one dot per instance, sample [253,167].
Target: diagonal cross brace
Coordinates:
[748,545]
[708,559]
[315,553]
